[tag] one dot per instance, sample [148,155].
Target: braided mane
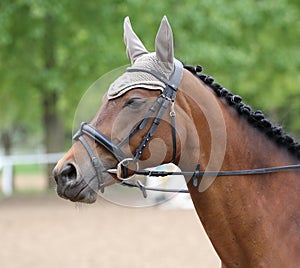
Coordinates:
[255,118]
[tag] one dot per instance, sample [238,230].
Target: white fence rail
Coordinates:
[8,162]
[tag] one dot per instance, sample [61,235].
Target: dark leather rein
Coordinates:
[166,98]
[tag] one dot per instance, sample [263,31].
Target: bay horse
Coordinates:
[160,111]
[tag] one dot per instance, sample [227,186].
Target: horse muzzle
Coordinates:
[72,186]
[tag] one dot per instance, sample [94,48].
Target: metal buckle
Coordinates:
[172,112]
[120,168]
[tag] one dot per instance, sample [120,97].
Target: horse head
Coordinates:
[125,129]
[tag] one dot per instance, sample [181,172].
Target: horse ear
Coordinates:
[134,46]
[164,47]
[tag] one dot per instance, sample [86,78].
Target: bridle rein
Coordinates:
[124,170]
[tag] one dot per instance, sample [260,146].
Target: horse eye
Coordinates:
[134,103]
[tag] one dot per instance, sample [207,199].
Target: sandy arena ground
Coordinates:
[46,231]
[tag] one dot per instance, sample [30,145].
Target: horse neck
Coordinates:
[239,213]
[224,135]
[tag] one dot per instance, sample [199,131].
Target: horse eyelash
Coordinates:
[132,101]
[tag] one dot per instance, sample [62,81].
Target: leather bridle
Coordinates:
[164,100]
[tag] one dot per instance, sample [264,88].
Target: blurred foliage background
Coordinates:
[52,51]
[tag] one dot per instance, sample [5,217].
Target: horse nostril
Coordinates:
[69,172]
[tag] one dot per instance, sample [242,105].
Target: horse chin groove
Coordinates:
[87,197]
[84,192]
